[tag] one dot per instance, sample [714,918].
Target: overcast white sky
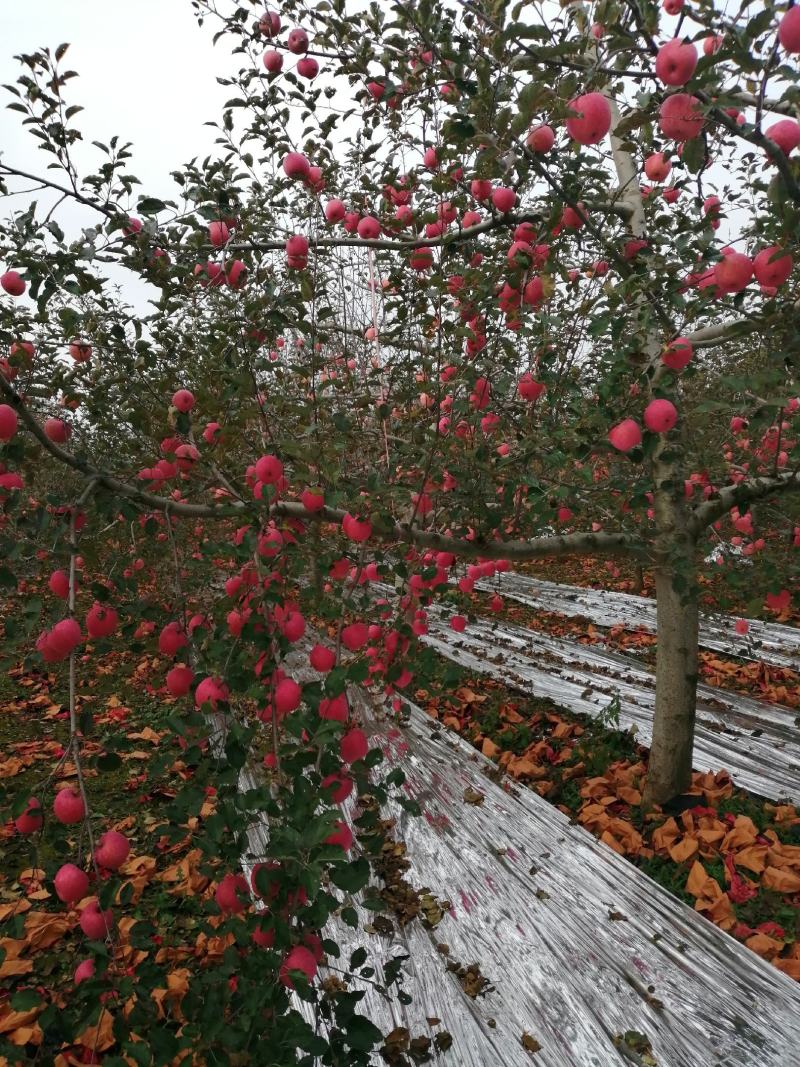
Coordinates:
[147,72]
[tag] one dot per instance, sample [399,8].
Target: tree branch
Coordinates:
[746,492]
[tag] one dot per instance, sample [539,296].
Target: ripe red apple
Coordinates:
[101,621]
[335,211]
[80,351]
[218,234]
[65,636]
[298,959]
[789,30]
[297,252]
[541,138]
[355,636]
[273,61]
[297,42]
[676,62]
[358,530]
[287,696]
[678,354]
[785,134]
[236,273]
[232,893]
[341,786]
[269,470]
[660,416]
[71,883]
[341,836]
[179,680]
[322,659]
[529,389]
[96,924]
[772,266]
[504,199]
[270,23]
[353,746]
[83,972]
[680,117]
[741,626]
[626,435]
[30,821]
[57,430]
[296,165]
[112,849]
[430,159]
[369,228]
[733,272]
[312,500]
[672,7]
[8,422]
[183,400]
[421,259]
[171,639]
[211,691]
[308,68]
[593,119]
[657,167]
[68,807]
[13,283]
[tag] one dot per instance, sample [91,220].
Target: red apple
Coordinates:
[680,117]
[70,883]
[626,435]
[593,119]
[8,422]
[13,283]
[660,416]
[789,30]
[273,61]
[297,42]
[676,62]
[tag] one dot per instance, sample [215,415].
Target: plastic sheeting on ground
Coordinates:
[578,946]
[764,641]
[757,742]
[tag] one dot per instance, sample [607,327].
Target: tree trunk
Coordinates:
[638,580]
[670,768]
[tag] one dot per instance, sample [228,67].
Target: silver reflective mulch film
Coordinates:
[578,947]
[756,742]
[769,642]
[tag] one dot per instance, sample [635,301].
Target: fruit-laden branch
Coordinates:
[746,492]
[575,544]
